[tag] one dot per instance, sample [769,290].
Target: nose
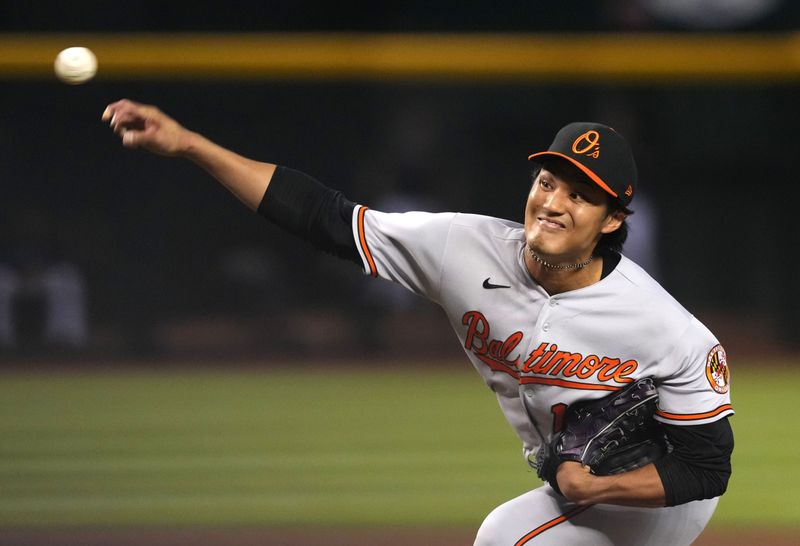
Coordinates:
[554,201]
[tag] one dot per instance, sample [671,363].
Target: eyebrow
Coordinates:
[582,179]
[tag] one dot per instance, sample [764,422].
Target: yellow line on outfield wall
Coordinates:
[486,57]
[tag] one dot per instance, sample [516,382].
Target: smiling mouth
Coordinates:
[552,224]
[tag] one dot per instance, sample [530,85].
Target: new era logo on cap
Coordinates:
[601,153]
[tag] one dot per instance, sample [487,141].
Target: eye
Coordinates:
[577,196]
[543,182]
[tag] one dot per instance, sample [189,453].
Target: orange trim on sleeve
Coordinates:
[586,170]
[567,384]
[362,239]
[550,524]
[694,416]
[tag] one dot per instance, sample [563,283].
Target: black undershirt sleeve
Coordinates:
[305,207]
[699,465]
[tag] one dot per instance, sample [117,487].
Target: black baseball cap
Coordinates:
[601,153]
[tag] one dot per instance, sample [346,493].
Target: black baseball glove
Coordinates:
[611,435]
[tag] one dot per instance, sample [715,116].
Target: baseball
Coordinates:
[75,65]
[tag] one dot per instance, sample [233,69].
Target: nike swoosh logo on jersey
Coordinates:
[489,286]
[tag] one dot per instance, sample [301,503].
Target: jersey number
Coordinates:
[559,411]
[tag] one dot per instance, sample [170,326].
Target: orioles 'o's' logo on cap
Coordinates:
[587,142]
[717,370]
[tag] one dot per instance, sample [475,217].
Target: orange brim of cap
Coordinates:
[587,171]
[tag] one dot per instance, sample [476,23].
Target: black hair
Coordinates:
[613,242]
[609,243]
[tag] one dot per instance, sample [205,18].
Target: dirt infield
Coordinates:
[329,537]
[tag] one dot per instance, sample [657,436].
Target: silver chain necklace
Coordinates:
[548,265]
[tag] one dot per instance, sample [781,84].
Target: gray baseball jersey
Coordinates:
[538,353]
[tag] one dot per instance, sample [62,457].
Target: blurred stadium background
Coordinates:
[169,361]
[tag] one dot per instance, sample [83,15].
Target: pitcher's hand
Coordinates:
[145,126]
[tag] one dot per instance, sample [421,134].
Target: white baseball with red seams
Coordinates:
[540,354]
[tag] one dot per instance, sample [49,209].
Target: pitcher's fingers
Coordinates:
[130,138]
[111,109]
[120,129]
[125,118]
[119,106]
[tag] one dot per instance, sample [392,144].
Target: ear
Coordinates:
[613,221]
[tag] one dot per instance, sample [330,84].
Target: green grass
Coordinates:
[765,484]
[313,447]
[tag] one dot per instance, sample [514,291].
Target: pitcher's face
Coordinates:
[566,214]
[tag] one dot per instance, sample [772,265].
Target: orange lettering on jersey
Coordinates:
[477,331]
[613,368]
[493,352]
[561,359]
[535,354]
[624,370]
[607,366]
[494,347]
[545,359]
[588,366]
[572,367]
[544,362]
[509,345]
[501,349]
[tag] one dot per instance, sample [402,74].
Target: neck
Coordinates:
[556,277]
[562,267]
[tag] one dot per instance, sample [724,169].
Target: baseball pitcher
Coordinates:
[619,395]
